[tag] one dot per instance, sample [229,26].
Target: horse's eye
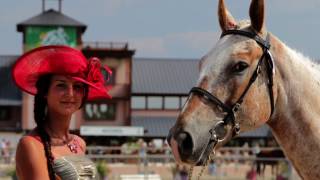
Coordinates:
[239,67]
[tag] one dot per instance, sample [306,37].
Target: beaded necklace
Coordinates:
[71,142]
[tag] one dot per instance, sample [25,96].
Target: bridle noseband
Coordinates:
[229,119]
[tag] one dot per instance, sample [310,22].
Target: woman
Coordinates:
[61,79]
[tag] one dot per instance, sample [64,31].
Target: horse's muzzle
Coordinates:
[181,144]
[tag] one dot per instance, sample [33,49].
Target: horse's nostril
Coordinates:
[168,138]
[185,144]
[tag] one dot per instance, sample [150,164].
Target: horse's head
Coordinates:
[234,91]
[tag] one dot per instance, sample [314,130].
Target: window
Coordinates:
[4,113]
[138,102]
[171,103]
[158,102]
[112,78]
[154,102]
[100,111]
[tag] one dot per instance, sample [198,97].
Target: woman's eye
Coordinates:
[78,87]
[61,85]
[239,67]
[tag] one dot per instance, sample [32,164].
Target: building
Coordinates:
[152,101]
[148,93]
[10,97]
[159,90]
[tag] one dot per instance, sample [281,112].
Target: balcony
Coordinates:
[105,45]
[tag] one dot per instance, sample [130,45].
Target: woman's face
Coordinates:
[65,95]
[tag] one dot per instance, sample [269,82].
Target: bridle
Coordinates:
[219,131]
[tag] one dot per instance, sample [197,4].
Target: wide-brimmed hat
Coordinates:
[61,60]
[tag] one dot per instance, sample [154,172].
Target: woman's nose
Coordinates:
[70,91]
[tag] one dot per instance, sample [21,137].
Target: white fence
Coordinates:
[228,163]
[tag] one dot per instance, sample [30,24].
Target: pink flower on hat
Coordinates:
[94,71]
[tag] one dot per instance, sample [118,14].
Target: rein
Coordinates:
[219,132]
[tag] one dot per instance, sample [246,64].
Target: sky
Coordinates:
[185,29]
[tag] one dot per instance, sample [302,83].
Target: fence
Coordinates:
[228,163]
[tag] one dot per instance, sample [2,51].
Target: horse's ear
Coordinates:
[225,18]
[257,15]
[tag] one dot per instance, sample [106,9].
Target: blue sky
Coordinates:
[166,28]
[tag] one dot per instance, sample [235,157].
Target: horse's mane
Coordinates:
[300,59]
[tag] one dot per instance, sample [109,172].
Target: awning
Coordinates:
[8,102]
[111,131]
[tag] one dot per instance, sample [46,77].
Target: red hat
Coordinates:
[62,60]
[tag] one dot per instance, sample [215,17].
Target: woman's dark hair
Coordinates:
[40,105]
[85,97]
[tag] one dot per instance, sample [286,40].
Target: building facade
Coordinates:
[148,93]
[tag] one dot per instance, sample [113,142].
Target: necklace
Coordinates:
[58,141]
[70,141]
[73,146]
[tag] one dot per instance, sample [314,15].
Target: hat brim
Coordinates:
[54,59]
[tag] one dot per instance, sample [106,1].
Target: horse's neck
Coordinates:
[296,120]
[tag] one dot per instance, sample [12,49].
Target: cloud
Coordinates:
[99,7]
[293,6]
[112,7]
[196,44]
[149,46]
[195,40]
[9,15]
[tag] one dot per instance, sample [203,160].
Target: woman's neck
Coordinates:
[58,126]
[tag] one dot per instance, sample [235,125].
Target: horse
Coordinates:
[248,79]
[268,157]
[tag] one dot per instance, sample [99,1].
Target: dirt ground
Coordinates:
[230,171]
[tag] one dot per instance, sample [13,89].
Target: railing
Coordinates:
[226,153]
[229,162]
[105,45]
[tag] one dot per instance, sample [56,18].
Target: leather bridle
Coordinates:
[219,131]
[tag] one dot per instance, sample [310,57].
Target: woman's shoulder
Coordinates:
[29,146]
[29,143]
[31,138]
[30,158]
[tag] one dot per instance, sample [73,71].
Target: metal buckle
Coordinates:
[236,107]
[213,136]
[237,128]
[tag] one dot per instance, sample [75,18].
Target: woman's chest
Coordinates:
[75,167]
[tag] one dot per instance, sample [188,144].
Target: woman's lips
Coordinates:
[68,103]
